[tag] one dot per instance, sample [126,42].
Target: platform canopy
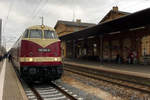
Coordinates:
[134,20]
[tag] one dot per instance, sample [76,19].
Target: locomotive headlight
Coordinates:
[55,59]
[30,59]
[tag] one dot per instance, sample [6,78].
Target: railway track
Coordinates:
[117,81]
[48,92]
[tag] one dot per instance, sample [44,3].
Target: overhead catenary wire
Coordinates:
[34,13]
[38,11]
[73,2]
[7,17]
[6,21]
[46,3]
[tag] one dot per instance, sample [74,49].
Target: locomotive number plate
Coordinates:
[44,50]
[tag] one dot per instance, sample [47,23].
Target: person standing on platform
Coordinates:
[129,58]
[118,59]
[9,57]
[132,57]
[0,57]
[135,57]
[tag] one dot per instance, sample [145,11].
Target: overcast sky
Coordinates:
[19,14]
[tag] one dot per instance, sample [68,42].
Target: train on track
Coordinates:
[37,54]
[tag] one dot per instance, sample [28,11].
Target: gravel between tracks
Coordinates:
[75,90]
[103,89]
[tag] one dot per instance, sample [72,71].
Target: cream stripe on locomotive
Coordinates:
[40,59]
[42,42]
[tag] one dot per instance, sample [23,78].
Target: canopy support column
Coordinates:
[74,49]
[101,49]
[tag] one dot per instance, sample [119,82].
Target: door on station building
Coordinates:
[63,49]
[90,48]
[126,48]
[115,49]
[69,49]
[95,49]
[145,48]
[106,51]
[82,50]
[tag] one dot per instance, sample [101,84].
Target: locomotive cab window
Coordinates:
[50,34]
[34,33]
[26,33]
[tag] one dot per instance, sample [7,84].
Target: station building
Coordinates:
[118,34]
[66,27]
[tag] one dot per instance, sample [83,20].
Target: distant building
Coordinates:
[113,14]
[67,27]
[0,31]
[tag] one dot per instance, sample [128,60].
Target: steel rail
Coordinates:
[39,97]
[112,74]
[123,83]
[36,93]
[64,92]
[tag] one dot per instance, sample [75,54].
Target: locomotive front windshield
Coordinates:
[49,34]
[37,33]
[34,33]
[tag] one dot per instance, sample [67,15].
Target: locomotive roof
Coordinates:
[41,27]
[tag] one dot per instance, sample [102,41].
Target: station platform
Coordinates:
[137,70]
[11,88]
[1,63]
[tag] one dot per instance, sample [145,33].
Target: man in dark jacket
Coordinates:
[9,57]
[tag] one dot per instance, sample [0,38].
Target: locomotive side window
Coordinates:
[49,34]
[26,34]
[34,33]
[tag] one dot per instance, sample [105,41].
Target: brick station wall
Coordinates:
[122,43]
[126,42]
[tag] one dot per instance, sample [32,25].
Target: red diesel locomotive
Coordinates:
[37,54]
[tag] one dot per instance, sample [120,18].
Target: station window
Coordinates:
[146,46]
[49,34]
[34,33]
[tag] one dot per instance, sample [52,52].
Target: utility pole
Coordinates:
[73,2]
[73,15]
[42,20]
[4,45]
